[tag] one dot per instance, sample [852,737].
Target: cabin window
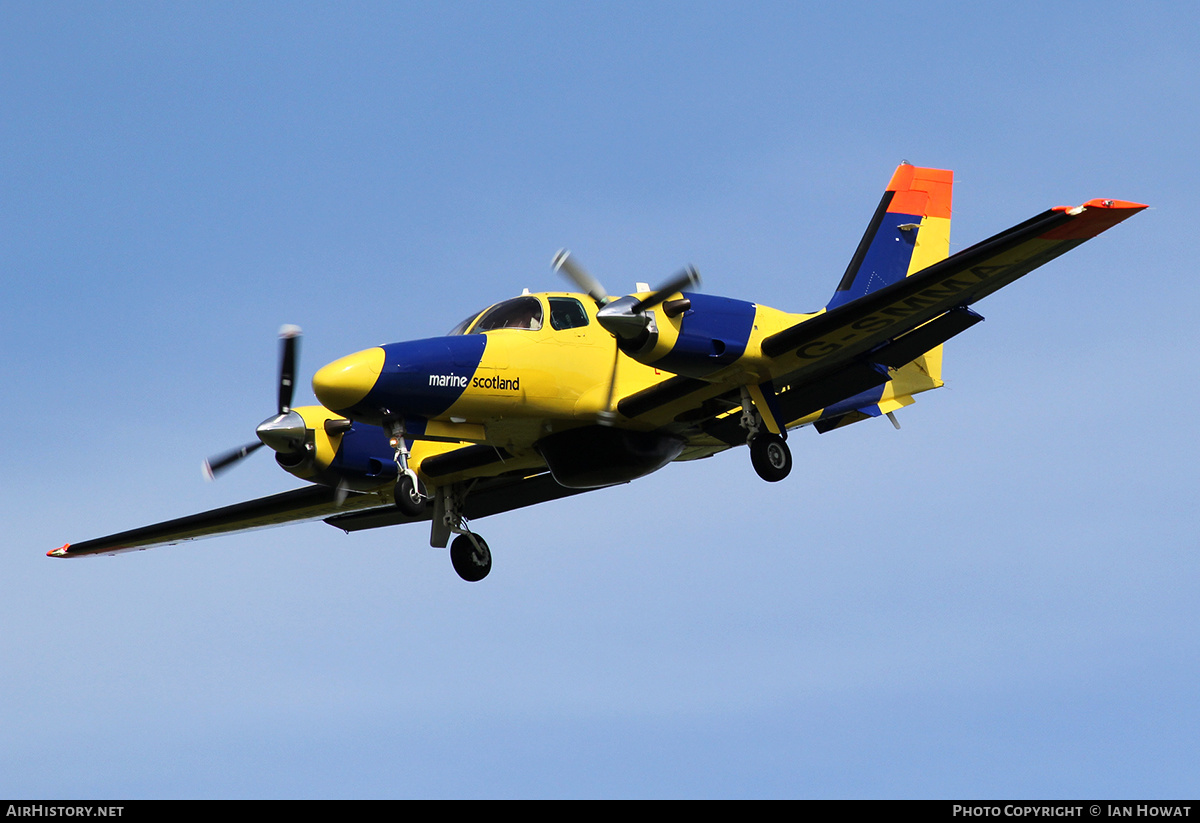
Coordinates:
[567,313]
[518,313]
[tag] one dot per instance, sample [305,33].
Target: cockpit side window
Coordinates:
[518,313]
[567,313]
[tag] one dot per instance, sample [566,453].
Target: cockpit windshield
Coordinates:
[518,313]
[462,327]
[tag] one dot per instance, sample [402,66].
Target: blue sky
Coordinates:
[997,600]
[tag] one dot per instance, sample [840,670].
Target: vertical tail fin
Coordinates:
[909,231]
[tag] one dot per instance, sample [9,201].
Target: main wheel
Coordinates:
[408,497]
[471,563]
[770,456]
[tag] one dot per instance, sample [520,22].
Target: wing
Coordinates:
[840,360]
[837,360]
[309,503]
[838,335]
[490,495]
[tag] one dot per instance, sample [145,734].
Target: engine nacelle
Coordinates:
[694,338]
[337,452]
[595,456]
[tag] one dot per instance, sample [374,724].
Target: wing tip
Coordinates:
[1093,217]
[1115,204]
[1103,203]
[61,551]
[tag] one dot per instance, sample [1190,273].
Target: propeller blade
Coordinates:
[289,338]
[215,465]
[281,428]
[563,263]
[688,278]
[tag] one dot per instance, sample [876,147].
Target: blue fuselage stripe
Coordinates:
[424,378]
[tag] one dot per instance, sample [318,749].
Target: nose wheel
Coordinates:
[409,498]
[770,456]
[471,557]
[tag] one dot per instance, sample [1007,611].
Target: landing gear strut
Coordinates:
[469,553]
[409,497]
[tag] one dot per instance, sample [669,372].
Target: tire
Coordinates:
[471,565]
[409,498]
[771,457]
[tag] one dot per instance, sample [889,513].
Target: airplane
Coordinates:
[547,395]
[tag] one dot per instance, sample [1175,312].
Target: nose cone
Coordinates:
[345,382]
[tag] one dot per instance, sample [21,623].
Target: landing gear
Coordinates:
[471,557]
[770,456]
[469,552]
[408,497]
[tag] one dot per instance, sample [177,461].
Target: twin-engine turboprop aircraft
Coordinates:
[552,394]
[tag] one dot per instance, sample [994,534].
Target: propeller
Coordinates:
[625,317]
[215,465]
[285,432]
[289,338]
